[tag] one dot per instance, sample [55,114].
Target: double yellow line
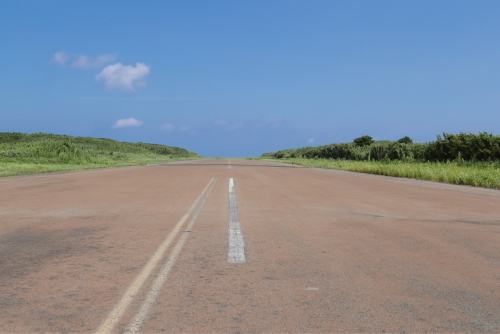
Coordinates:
[119,309]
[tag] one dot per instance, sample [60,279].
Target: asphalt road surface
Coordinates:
[246,246]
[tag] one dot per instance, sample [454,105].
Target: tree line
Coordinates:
[448,147]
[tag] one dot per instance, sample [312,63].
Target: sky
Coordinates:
[240,78]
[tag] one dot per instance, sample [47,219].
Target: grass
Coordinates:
[19,168]
[478,174]
[22,154]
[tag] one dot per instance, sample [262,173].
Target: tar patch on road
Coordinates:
[25,251]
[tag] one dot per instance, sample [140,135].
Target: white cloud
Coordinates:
[86,62]
[185,128]
[274,122]
[82,61]
[229,125]
[60,58]
[125,122]
[124,76]
[167,127]
[236,125]
[310,141]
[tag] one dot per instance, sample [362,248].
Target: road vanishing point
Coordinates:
[246,246]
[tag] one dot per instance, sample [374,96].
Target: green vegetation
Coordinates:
[405,140]
[467,159]
[40,152]
[466,147]
[363,141]
[479,174]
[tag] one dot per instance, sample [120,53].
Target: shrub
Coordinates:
[449,147]
[405,140]
[363,141]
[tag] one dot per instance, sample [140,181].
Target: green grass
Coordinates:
[42,153]
[478,174]
[19,168]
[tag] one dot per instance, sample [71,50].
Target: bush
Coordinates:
[363,141]
[449,147]
[469,146]
[405,140]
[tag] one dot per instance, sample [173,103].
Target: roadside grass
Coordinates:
[478,174]
[34,153]
[14,168]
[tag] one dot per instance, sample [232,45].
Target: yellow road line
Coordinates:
[140,317]
[119,309]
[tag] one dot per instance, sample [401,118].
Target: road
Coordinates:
[246,246]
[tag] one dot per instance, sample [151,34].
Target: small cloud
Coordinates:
[275,122]
[310,141]
[86,62]
[228,125]
[167,127]
[60,58]
[185,128]
[124,76]
[236,125]
[82,61]
[126,122]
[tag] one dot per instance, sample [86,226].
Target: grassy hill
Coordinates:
[22,153]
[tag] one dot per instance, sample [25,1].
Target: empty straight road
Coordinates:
[246,246]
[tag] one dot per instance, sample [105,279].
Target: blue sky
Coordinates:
[240,78]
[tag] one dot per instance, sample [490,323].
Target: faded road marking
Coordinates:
[140,317]
[119,309]
[236,244]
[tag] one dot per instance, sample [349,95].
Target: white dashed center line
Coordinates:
[236,244]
